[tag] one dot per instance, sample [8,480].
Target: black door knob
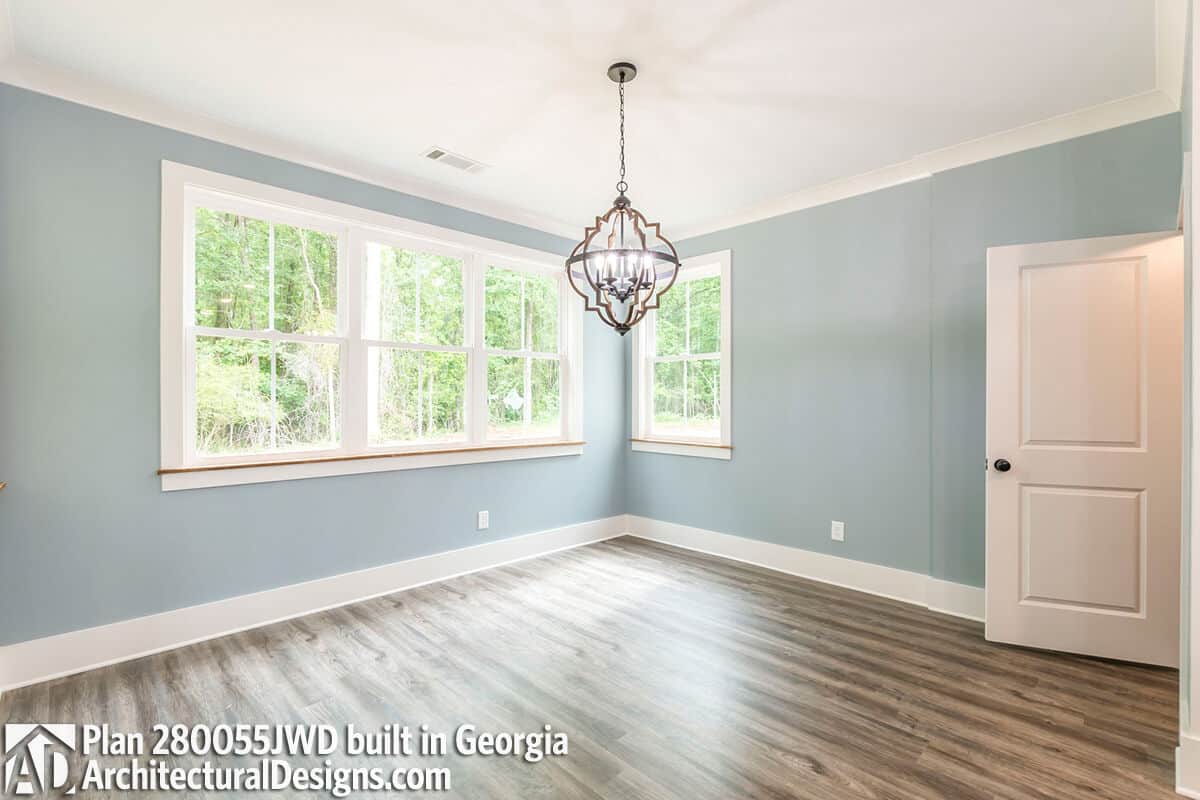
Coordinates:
[1002,465]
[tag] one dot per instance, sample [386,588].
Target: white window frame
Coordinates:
[184,188]
[644,438]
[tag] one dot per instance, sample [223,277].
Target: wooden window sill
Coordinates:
[723,452]
[206,475]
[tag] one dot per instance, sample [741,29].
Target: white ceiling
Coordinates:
[738,102]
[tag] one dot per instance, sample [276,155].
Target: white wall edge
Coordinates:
[1189,667]
[8,42]
[940,596]
[1170,32]
[1187,766]
[1071,125]
[44,659]
[28,74]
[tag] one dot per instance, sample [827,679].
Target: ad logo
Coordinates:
[35,759]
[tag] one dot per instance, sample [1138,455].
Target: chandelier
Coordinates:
[624,264]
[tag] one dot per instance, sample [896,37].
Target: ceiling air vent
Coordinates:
[444,156]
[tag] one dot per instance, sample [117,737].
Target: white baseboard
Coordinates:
[1187,766]
[955,599]
[945,597]
[51,657]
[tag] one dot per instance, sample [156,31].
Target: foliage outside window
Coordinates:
[687,362]
[308,334]
[414,302]
[521,335]
[681,359]
[267,365]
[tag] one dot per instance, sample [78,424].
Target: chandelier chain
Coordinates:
[621,184]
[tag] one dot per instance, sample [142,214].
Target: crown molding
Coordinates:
[28,74]
[1169,46]
[1056,129]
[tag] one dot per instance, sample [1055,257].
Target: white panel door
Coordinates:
[1084,408]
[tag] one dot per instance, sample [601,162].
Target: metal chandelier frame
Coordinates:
[623,279]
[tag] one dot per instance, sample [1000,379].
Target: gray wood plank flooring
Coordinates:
[675,675]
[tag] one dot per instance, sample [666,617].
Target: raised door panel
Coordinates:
[1083,381]
[1083,548]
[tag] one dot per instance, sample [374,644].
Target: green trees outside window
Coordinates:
[271,350]
[414,299]
[267,392]
[521,335]
[687,362]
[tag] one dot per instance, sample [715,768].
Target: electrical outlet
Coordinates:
[481,522]
[837,531]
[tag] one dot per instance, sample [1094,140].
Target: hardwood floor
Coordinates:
[675,675]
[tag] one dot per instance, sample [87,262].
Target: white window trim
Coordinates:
[181,468]
[643,440]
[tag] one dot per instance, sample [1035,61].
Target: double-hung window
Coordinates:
[682,365]
[264,347]
[417,352]
[521,339]
[303,337]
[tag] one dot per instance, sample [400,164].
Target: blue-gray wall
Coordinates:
[858,351]
[858,378]
[830,386]
[86,537]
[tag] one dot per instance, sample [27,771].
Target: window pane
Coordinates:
[502,309]
[413,297]
[442,307]
[668,395]
[307,394]
[305,281]
[506,397]
[544,391]
[670,322]
[415,395]
[232,271]
[704,315]
[233,395]
[687,398]
[704,397]
[541,313]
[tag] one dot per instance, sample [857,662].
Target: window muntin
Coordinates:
[321,336]
[681,382]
